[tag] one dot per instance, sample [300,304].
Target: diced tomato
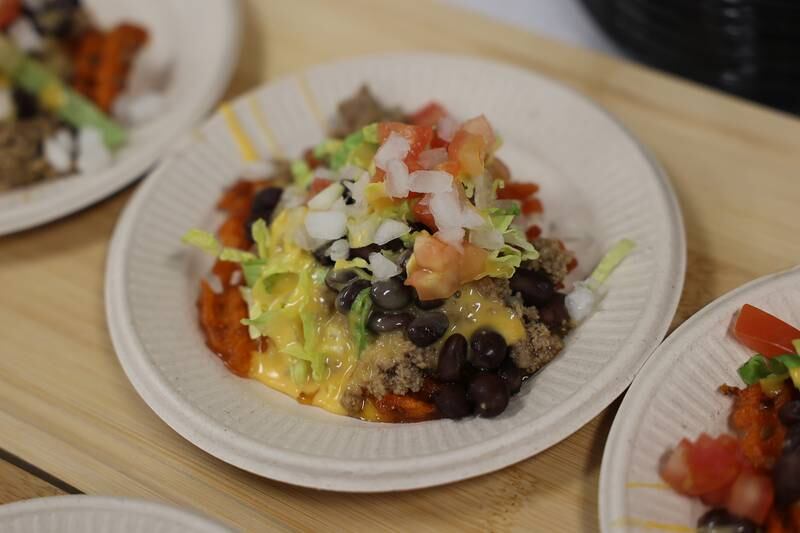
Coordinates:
[531,206]
[702,467]
[533,233]
[438,269]
[311,159]
[449,166]
[473,262]
[429,115]
[317,186]
[517,191]
[438,142]
[499,170]
[469,150]
[423,214]
[717,498]
[764,333]
[751,496]
[572,265]
[418,136]
[480,126]
[378,176]
[9,11]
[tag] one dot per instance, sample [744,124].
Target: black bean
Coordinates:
[555,315]
[511,375]
[790,413]
[348,196]
[488,394]
[720,520]
[786,477]
[382,321]
[25,103]
[534,286]
[263,205]
[427,328]
[390,294]
[452,358]
[427,305]
[791,441]
[488,349]
[348,295]
[451,399]
[321,257]
[364,251]
[337,279]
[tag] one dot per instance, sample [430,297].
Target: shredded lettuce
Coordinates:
[344,264]
[609,262]
[235,255]
[298,371]
[327,148]
[302,173]
[359,313]
[310,342]
[370,133]
[514,237]
[759,367]
[204,240]
[260,234]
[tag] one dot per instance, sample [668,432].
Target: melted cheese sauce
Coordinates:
[294,307]
[470,311]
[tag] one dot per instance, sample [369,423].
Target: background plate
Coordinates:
[195,73]
[675,396]
[94,514]
[597,185]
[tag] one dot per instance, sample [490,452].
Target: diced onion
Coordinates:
[357,188]
[430,181]
[452,236]
[389,230]
[350,172]
[395,147]
[24,35]
[324,199]
[446,209]
[430,158]
[397,179]
[93,155]
[57,155]
[326,225]
[339,250]
[471,218]
[446,128]
[580,302]
[382,267]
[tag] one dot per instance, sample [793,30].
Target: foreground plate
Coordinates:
[195,73]
[675,396]
[94,514]
[597,185]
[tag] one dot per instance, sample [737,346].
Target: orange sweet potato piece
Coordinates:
[404,408]
[755,418]
[220,320]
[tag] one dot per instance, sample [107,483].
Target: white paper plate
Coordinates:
[592,174]
[193,51]
[675,396]
[95,514]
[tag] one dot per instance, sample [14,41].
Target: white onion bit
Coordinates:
[452,236]
[357,188]
[382,267]
[395,147]
[57,155]
[430,158]
[324,199]
[339,250]
[580,302]
[326,225]
[389,230]
[430,181]
[397,179]
[446,128]
[446,209]
[487,238]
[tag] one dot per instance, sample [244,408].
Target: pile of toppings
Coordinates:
[752,478]
[402,262]
[60,77]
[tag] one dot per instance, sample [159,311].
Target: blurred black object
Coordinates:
[746,47]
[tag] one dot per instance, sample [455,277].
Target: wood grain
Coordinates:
[16,484]
[67,407]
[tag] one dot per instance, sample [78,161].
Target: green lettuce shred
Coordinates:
[204,240]
[301,173]
[610,261]
[327,148]
[370,133]
[759,367]
[359,313]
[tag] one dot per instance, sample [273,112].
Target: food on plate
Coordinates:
[393,273]
[751,479]
[61,79]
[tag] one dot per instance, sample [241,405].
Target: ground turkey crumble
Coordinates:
[392,364]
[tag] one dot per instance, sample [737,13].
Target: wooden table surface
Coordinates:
[71,422]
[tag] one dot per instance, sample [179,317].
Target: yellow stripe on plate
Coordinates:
[649,524]
[266,129]
[243,141]
[639,485]
[311,101]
